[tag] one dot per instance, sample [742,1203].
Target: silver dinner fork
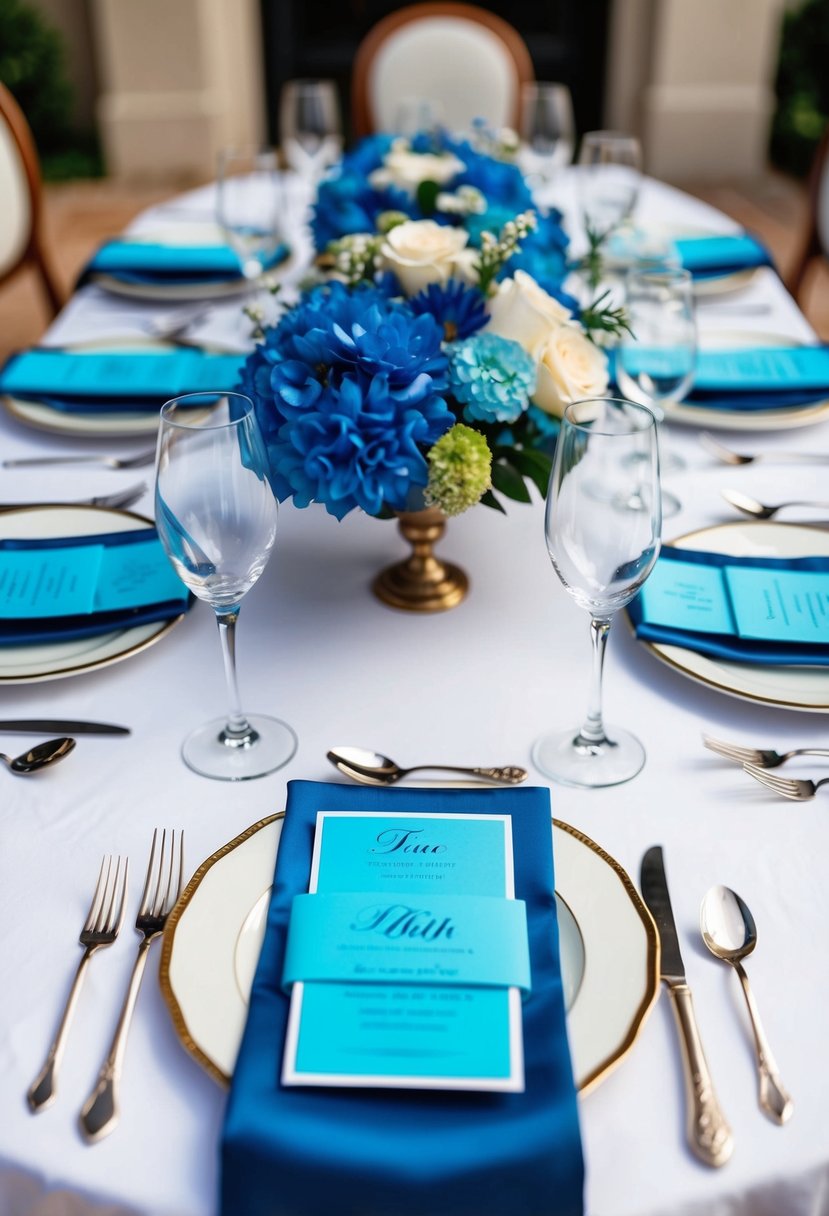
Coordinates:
[788,787]
[162,887]
[759,757]
[109,462]
[729,456]
[119,500]
[101,927]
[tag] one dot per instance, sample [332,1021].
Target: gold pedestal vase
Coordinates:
[421,583]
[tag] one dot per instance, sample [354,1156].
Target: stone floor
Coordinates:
[79,215]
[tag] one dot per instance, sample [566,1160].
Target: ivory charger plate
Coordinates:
[609,950]
[804,688]
[53,660]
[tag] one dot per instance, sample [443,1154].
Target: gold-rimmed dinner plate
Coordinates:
[745,420]
[803,688]
[117,423]
[54,660]
[609,950]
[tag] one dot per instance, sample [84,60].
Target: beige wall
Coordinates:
[694,79]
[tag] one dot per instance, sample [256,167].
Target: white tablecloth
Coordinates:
[475,685]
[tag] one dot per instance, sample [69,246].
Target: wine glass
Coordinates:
[655,362]
[547,130]
[216,517]
[310,127]
[247,206]
[602,552]
[608,180]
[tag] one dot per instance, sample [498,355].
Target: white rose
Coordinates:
[406,169]
[525,312]
[570,368]
[421,252]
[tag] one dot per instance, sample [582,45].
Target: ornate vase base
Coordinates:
[421,583]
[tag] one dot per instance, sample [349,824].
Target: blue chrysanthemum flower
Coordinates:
[349,203]
[348,389]
[460,310]
[493,377]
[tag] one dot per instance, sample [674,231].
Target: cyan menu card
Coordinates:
[148,262]
[416,951]
[310,1150]
[762,610]
[709,256]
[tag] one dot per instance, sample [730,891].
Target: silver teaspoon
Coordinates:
[729,932]
[40,756]
[761,510]
[374,769]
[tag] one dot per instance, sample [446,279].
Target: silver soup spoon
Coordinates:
[729,932]
[761,510]
[373,769]
[40,756]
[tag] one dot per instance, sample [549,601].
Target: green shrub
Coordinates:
[802,87]
[33,67]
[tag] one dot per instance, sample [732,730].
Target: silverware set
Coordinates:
[119,500]
[730,934]
[372,768]
[51,750]
[745,503]
[163,884]
[758,761]
[136,461]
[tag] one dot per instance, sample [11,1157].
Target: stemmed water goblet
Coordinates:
[656,358]
[547,131]
[602,551]
[247,206]
[216,518]
[609,179]
[310,127]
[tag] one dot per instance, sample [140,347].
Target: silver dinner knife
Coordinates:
[52,726]
[709,1135]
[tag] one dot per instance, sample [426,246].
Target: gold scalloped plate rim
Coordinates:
[63,673]
[663,652]
[589,1082]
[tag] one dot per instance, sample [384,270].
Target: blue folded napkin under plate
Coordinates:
[294,1151]
[761,378]
[667,623]
[710,257]
[115,379]
[59,589]
[146,262]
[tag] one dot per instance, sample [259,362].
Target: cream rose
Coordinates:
[525,312]
[570,368]
[421,252]
[406,169]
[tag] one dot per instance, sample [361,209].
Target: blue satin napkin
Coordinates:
[728,646]
[289,1151]
[145,262]
[115,379]
[156,594]
[710,257]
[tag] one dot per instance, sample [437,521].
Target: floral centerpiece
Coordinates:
[428,363]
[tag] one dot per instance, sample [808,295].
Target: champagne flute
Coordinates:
[310,127]
[247,206]
[547,130]
[609,179]
[655,362]
[216,517]
[602,551]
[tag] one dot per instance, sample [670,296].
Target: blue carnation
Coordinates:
[492,377]
[460,310]
[347,389]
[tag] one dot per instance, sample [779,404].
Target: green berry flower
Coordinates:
[460,470]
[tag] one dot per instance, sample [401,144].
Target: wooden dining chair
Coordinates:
[468,61]
[22,242]
[815,240]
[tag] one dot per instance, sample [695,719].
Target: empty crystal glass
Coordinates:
[248,206]
[216,517]
[602,552]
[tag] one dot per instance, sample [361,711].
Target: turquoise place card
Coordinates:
[44,582]
[119,375]
[410,879]
[749,602]
[763,368]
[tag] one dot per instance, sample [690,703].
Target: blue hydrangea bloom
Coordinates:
[348,389]
[493,377]
[460,310]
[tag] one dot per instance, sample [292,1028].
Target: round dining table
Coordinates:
[476,685]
